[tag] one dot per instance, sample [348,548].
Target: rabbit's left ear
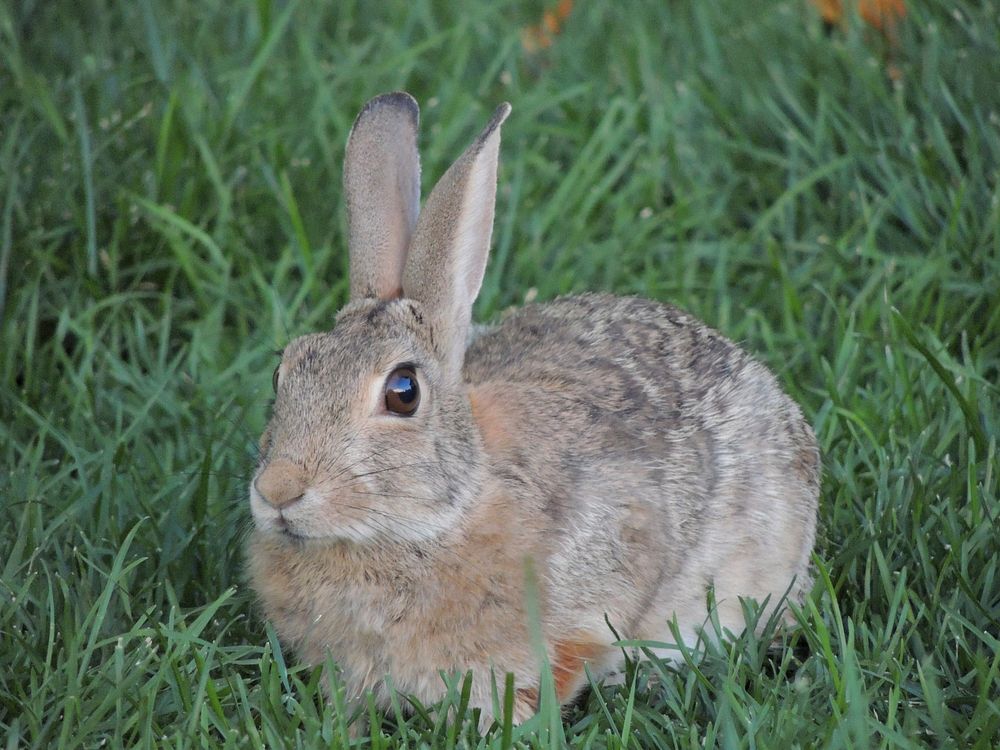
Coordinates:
[447,258]
[382,188]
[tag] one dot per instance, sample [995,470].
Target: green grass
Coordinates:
[170,214]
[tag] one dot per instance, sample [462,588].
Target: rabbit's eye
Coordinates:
[274,378]
[402,394]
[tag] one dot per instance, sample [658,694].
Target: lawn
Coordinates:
[171,214]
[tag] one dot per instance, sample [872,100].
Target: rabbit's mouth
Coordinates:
[285,528]
[292,537]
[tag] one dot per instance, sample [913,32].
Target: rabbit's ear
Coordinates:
[447,258]
[382,188]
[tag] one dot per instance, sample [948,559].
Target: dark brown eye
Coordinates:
[274,378]
[402,394]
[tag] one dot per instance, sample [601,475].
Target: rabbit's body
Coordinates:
[600,457]
[662,455]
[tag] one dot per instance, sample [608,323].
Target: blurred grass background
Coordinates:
[170,214]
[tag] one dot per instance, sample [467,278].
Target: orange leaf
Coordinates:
[882,15]
[550,22]
[540,36]
[830,10]
[564,8]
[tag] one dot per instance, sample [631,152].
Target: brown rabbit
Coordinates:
[412,474]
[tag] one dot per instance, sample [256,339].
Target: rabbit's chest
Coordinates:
[396,629]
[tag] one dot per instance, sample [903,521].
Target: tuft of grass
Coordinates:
[171,214]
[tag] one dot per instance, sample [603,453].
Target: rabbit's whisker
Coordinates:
[399,539]
[393,516]
[395,468]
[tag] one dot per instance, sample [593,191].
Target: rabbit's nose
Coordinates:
[281,483]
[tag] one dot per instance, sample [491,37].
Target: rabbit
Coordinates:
[421,482]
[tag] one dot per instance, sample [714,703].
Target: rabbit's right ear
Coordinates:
[382,188]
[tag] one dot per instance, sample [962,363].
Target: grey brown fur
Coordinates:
[619,449]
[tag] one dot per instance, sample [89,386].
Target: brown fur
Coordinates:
[568,661]
[494,418]
[528,697]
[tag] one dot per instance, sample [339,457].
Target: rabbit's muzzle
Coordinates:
[281,483]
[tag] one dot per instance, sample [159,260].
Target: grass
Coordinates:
[170,214]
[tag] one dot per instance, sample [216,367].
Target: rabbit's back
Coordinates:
[664,457]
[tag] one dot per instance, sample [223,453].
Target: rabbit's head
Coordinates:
[371,435]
